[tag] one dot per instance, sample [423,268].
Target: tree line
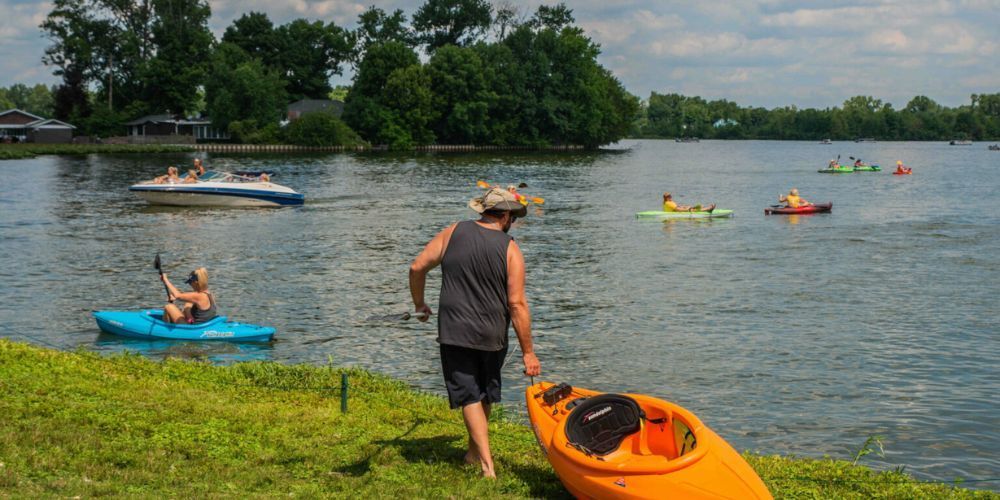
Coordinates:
[922,119]
[455,72]
[493,74]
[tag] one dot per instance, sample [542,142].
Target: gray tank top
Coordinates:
[473,310]
[200,316]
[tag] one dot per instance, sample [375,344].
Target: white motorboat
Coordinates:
[219,189]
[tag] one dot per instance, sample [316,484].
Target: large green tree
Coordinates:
[242,88]
[183,43]
[375,26]
[452,22]
[461,96]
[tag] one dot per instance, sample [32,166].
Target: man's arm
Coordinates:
[518,304]
[428,259]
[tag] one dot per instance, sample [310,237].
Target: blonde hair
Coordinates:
[202,283]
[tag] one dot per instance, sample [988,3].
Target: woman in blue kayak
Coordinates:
[199,305]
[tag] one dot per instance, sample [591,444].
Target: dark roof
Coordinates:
[20,111]
[310,105]
[50,123]
[168,119]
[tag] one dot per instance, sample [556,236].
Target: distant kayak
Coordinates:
[148,324]
[808,209]
[634,446]
[655,214]
[837,170]
[908,172]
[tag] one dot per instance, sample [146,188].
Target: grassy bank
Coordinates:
[77,424]
[30,150]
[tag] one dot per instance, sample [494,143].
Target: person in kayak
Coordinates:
[199,305]
[482,293]
[669,205]
[793,200]
[902,169]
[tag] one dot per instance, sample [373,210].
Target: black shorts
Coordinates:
[471,375]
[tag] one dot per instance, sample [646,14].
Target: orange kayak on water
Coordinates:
[604,445]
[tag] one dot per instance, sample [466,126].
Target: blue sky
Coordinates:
[763,53]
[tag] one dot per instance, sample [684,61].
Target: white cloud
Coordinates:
[758,52]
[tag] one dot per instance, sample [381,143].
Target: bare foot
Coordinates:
[471,457]
[488,471]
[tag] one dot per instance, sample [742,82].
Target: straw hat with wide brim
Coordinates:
[498,199]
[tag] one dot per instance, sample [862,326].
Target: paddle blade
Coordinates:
[156,262]
[538,201]
[482,184]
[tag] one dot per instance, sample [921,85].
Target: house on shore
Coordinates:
[162,129]
[20,126]
[306,106]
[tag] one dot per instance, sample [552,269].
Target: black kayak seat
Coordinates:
[598,425]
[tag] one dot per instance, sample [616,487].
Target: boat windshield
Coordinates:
[217,176]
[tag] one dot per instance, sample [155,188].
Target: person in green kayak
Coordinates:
[199,305]
[793,200]
[669,205]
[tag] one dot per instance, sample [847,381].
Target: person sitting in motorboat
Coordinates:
[669,205]
[902,169]
[264,177]
[793,200]
[192,177]
[199,305]
[170,178]
[198,166]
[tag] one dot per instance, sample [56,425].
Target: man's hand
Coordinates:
[532,367]
[423,312]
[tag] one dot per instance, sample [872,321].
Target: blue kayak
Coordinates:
[148,323]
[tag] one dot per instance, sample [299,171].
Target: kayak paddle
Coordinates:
[156,264]
[534,199]
[398,317]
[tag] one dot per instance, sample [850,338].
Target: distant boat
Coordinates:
[687,139]
[960,143]
[865,139]
[826,141]
[995,147]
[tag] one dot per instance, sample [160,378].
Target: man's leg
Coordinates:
[472,456]
[478,426]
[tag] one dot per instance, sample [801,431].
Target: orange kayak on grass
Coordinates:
[604,445]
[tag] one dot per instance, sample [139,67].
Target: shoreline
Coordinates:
[78,423]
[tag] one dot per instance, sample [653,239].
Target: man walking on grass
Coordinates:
[482,293]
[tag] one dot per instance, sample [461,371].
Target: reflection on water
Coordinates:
[787,334]
[215,352]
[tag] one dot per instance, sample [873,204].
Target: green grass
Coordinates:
[30,150]
[78,424]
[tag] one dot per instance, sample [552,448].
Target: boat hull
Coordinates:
[218,194]
[654,214]
[816,208]
[147,324]
[672,455]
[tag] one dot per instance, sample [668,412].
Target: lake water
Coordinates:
[791,335]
